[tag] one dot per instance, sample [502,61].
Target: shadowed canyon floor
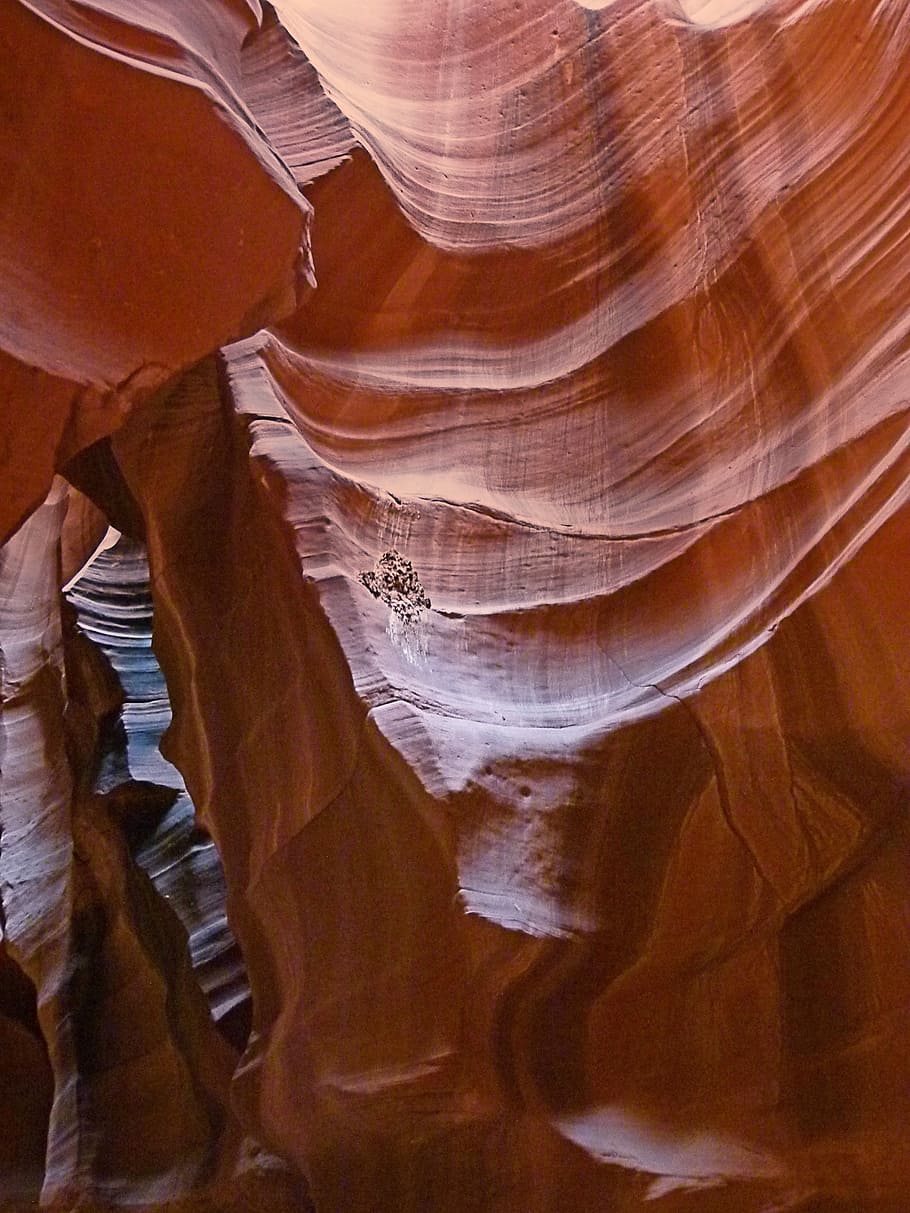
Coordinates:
[477,778]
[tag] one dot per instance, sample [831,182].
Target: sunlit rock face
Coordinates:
[144,217]
[530,596]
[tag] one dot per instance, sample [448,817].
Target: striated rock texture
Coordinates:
[114,1003]
[144,217]
[144,792]
[530,596]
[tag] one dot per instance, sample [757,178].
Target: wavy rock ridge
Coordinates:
[581,883]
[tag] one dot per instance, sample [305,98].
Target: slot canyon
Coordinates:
[454,643]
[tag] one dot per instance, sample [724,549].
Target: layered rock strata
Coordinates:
[579,881]
[145,793]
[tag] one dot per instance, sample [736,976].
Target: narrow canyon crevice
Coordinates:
[476,779]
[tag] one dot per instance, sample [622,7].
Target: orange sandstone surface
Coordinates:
[504,408]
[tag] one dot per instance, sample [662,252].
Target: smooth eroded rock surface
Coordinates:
[530,597]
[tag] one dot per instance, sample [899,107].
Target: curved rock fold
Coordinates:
[529,596]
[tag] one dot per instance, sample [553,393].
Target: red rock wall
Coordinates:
[585,886]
